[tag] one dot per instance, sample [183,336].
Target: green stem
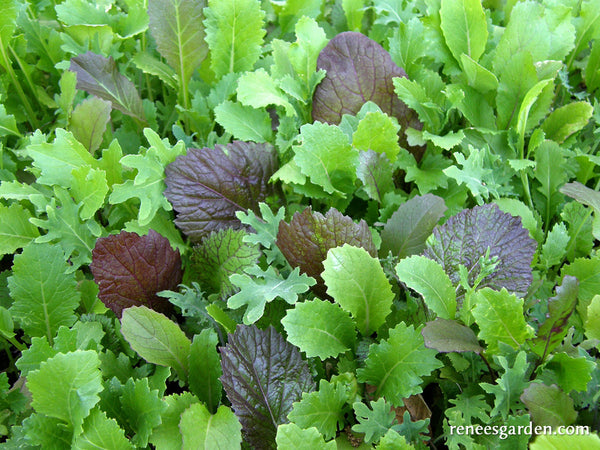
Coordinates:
[11,73]
[30,84]
[12,341]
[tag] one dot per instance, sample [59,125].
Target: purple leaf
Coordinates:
[464,238]
[130,270]
[207,186]
[308,237]
[100,76]
[262,376]
[360,70]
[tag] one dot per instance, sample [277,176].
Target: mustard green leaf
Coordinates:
[100,432]
[291,437]
[570,373]
[592,324]
[88,122]
[167,435]
[258,90]
[15,229]
[465,28]
[244,122]
[548,405]
[200,429]
[378,132]
[566,120]
[450,336]
[205,369]
[88,188]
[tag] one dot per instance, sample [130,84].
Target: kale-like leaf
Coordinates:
[262,376]
[131,269]
[359,70]
[100,76]
[308,237]
[466,237]
[208,186]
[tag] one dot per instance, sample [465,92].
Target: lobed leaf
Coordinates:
[290,435]
[131,269]
[101,432]
[208,186]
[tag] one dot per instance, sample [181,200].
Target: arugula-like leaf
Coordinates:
[262,376]
[100,76]
[396,365]
[205,369]
[464,238]
[220,255]
[548,405]
[323,409]
[208,186]
[265,230]
[374,422]
[44,294]
[156,339]
[357,282]
[199,428]
[290,436]
[308,237]
[359,70]
[265,287]
[406,231]
[131,269]
[319,328]
[500,318]
[66,386]
[234,33]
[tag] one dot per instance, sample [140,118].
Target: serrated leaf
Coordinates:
[291,437]
[88,188]
[555,248]
[323,409]
[15,229]
[149,182]
[450,336]
[131,269]
[548,405]
[262,376]
[264,287]
[356,281]
[568,372]
[587,272]
[359,70]
[567,120]
[205,369]
[156,339]
[208,186]
[177,27]
[88,122]
[199,428]
[45,296]
[407,230]
[378,132]
[220,255]
[100,432]
[244,122]
[66,386]
[500,318]
[464,238]
[319,328]
[395,365]
[234,33]
[308,237]
[265,228]
[258,90]
[465,28]
[428,278]
[167,435]
[374,422]
[592,323]
[100,76]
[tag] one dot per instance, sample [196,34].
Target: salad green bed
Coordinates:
[299,224]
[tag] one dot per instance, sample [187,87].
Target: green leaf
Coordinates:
[89,188]
[568,372]
[446,336]
[45,296]
[234,33]
[587,27]
[88,122]
[407,46]
[148,185]
[356,282]
[177,27]
[291,437]
[374,422]
[555,248]
[592,323]
[469,407]
[15,229]
[7,21]
[549,172]
[396,365]
[478,76]
[319,328]
[38,352]
[378,132]
[199,428]
[500,318]
[205,369]
[303,53]
[587,272]
[66,386]
[167,436]
[428,278]
[265,287]
[394,441]
[575,442]
[376,173]
[220,255]
[322,409]
[156,339]
[567,120]
[100,432]
[56,160]
[476,172]
[259,90]
[509,385]
[266,228]
[416,97]
[465,28]
[8,124]
[153,66]
[548,405]
[244,122]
